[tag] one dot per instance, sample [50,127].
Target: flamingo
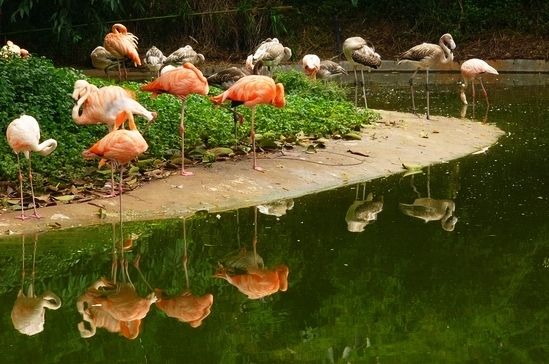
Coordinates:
[252,91]
[23,135]
[120,145]
[363,211]
[226,77]
[311,65]
[13,49]
[425,56]
[330,69]
[185,306]
[430,209]
[122,44]
[180,82]
[271,52]
[257,281]
[28,313]
[103,60]
[470,70]
[183,55]
[154,58]
[103,105]
[361,52]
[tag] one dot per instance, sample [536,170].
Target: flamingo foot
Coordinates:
[258,168]
[22,217]
[36,215]
[186,173]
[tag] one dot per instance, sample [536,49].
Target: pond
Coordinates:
[369,281]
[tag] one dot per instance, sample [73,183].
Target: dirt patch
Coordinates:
[397,138]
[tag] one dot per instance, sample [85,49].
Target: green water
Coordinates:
[401,291]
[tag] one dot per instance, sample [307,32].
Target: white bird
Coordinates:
[425,56]
[184,55]
[103,60]
[154,59]
[311,65]
[13,49]
[470,70]
[271,52]
[361,52]
[23,135]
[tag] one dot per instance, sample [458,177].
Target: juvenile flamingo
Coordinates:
[154,59]
[271,52]
[103,60]
[23,136]
[361,52]
[470,70]
[180,82]
[425,56]
[252,91]
[122,44]
[183,55]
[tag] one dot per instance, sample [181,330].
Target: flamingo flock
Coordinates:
[178,74]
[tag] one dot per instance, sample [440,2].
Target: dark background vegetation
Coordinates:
[228,30]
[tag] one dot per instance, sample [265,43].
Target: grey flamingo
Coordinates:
[425,56]
[361,52]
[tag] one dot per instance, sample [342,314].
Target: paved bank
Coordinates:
[233,184]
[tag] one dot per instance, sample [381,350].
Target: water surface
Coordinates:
[400,291]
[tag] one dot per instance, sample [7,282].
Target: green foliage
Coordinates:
[35,87]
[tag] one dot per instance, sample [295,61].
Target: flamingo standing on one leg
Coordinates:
[252,91]
[361,52]
[470,70]
[122,44]
[425,56]
[23,136]
[180,82]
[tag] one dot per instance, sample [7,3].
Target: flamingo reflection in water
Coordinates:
[363,211]
[248,274]
[430,209]
[276,208]
[185,306]
[113,305]
[28,313]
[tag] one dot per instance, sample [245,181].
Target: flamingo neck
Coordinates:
[448,55]
[47,146]
[76,109]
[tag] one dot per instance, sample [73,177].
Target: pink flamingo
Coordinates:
[470,70]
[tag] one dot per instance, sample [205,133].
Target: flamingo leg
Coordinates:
[22,216]
[411,82]
[255,166]
[185,258]
[254,241]
[182,131]
[356,87]
[484,92]
[35,213]
[364,89]
[113,193]
[427,91]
